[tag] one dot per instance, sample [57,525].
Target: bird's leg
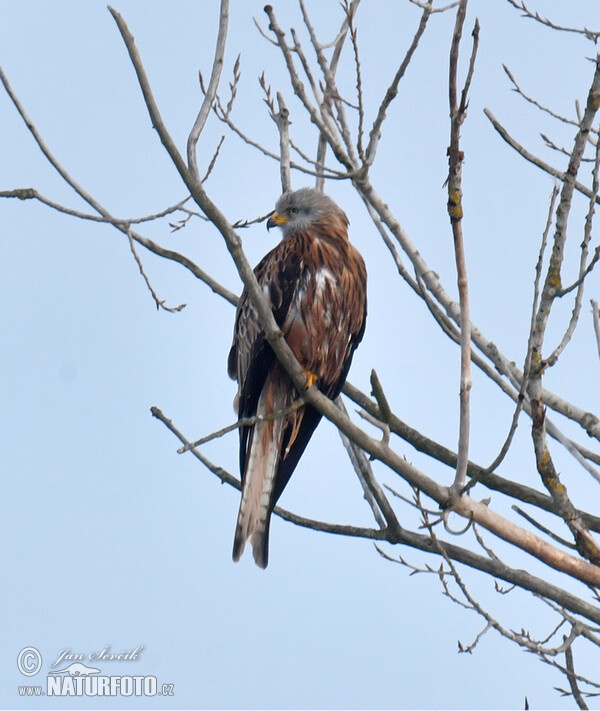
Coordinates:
[311,378]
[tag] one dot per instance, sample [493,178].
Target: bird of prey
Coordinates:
[315,282]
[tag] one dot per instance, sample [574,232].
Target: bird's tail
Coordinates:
[261,467]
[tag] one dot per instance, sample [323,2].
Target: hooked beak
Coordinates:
[276,220]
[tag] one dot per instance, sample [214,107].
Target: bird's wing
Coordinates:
[329,323]
[251,357]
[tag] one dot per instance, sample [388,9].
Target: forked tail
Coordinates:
[255,507]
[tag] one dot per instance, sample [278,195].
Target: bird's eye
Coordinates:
[293,210]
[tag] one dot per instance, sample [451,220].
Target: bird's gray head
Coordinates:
[300,209]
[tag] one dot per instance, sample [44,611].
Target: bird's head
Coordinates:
[301,209]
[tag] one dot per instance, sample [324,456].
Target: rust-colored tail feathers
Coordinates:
[262,463]
[254,513]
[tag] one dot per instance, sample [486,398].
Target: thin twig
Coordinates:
[149,244]
[242,422]
[423,6]
[590,34]
[455,210]
[211,92]
[596,320]
[592,263]
[586,545]
[587,235]
[373,493]
[542,528]
[160,304]
[392,91]
[213,160]
[546,167]
[333,65]
[519,577]
[246,223]
[559,149]
[331,91]
[331,174]
[527,365]
[283,125]
[350,13]
[572,677]
[536,103]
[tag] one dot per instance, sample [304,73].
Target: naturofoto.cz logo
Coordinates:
[80,679]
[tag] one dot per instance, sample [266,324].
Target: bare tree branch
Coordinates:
[596,319]
[211,92]
[283,123]
[529,99]
[458,114]
[585,542]
[590,34]
[392,91]
[500,570]
[160,304]
[573,678]
[553,357]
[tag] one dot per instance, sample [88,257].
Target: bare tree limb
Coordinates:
[433,449]
[572,677]
[211,92]
[455,160]
[596,320]
[160,304]
[392,91]
[585,542]
[283,124]
[500,570]
[590,34]
[537,104]
[553,357]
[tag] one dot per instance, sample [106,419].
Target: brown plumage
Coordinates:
[315,281]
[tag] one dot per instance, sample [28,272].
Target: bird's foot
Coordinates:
[311,378]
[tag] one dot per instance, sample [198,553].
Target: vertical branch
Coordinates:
[382,509]
[458,114]
[527,363]
[572,676]
[283,124]
[392,91]
[326,103]
[587,236]
[585,543]
[211,92]
[350,11]
[331,90]
[596,319]
[319,118]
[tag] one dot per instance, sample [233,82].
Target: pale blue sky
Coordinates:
[110,537]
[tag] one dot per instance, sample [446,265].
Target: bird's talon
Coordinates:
[311,379]
[297,404]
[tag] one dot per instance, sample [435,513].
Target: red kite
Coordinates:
[315,281]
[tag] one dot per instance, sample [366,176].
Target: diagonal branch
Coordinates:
[211,92]
[586,545]
[392,91]
[495,567]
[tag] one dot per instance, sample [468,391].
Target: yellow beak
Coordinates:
[276,220]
